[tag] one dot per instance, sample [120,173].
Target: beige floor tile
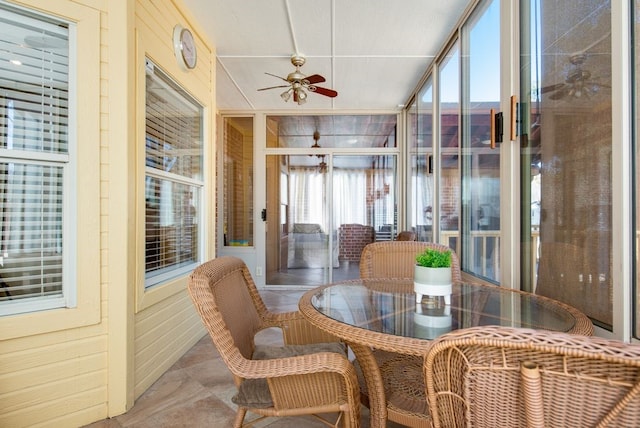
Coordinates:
[196,391]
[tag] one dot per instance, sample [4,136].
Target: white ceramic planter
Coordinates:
[432,282]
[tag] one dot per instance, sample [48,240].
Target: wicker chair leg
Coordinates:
[350,419]
[242,412]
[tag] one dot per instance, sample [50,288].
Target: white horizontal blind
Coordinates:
[173,181]
[34,157]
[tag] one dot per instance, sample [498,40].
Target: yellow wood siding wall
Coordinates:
[166,324]
[53,364]
[69,368]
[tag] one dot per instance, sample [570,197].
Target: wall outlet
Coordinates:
[258,271]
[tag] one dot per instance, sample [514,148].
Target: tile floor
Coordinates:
[196,391]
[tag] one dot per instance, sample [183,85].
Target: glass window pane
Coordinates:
[480,220]
[357,131]
[34,83]
[173,128]
[34,158]
[636,80]
[171,232]
[566,152]
[238,181]
[420,140]
[31,253]
[173,180]
[331,193]
[449,103]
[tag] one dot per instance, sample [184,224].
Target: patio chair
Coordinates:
[406,235]
[506,377]
[401,374]
[309,375]
[397,259]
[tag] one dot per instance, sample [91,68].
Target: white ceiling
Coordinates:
[372,52]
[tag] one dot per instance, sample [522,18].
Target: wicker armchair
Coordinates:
[406,235]
[505,377]
[396,259]
[402,378]
[310,374]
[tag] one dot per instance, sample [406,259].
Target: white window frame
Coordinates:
[170,274]
[83,206]
[68,162]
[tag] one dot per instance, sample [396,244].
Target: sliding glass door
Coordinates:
[566,154]
[331,190]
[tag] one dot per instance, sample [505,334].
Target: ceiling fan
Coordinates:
[299,84]
[322,166]
[577,84]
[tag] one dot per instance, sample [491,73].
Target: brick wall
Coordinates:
[353,238]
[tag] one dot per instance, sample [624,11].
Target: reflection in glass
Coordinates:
[636,125]
[238,184]
[449,103]
[173,178]
[566,153]
[480,220]
[420,141]
[330,200]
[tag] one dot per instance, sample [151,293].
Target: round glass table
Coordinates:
[383,314]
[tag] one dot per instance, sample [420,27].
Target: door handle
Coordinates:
[496,127]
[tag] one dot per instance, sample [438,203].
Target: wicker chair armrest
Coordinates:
[298,365]
[321,379]
[296,329]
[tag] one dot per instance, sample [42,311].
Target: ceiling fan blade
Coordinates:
[323,91]
[275,75]
[599,85]
[560,94]
[314,78]
[550,88]
[274,87]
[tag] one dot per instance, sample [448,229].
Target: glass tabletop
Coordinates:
[390,307]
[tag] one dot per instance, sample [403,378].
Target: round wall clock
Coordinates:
[184,47]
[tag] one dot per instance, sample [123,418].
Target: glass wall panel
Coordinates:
[326,203]
[421,207]
[480,219]
[449,110]
[344,131]
[237,215]
[566,153]
[636,125]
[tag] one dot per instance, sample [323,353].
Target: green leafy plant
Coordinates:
[433,258]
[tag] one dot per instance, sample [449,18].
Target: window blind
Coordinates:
[34,156]
[173,181]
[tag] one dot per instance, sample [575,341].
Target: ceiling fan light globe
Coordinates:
[302,95]
[286,95]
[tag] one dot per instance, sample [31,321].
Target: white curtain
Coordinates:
[308,194]
[349,196]
[422,199]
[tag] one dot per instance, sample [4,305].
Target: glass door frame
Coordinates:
[262,152]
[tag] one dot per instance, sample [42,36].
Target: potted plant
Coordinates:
[432,276]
